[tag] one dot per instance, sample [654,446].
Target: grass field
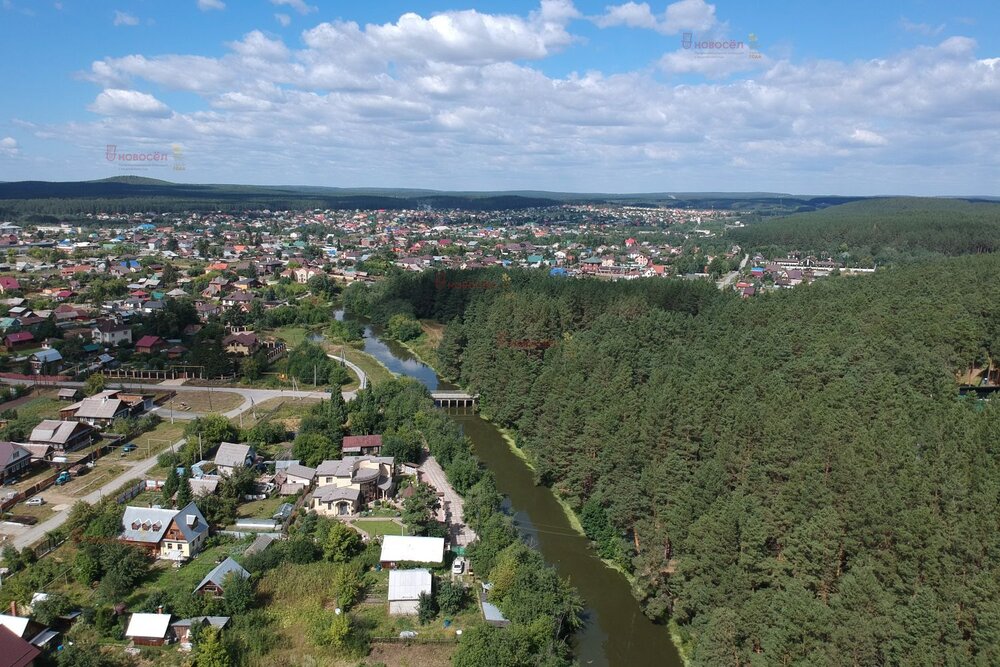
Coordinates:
[42,407]
[286,408]
[94,479]
[260,509]
[376,372]
[379,527]
[206,401]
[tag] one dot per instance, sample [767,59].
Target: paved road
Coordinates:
[138,471]
[451,504]
[728,279]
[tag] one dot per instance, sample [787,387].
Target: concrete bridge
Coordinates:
[454,399]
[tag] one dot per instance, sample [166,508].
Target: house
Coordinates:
[19,340]
[165,533]
[110,332]
[362,445]
[259,544]
[62,436]
[347,484]
[405,587]
[149,629]
[69,394]
[183,628]
[8,284]
[409,549]
[214,581]
[203,487]
[242,344]
[99,410]
[46,362]
[39,453]
[33,632]
[150,345]
[232,455]
[14,459]
[294,478]
[15,651]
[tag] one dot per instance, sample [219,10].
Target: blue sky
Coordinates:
[847,98]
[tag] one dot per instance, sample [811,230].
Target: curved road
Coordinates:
[251,397]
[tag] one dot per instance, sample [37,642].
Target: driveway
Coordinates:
[451,508]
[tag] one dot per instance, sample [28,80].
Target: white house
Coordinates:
[405,587]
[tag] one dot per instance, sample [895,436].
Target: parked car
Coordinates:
[458,567]
[130,447]
[63,477]
[34,502]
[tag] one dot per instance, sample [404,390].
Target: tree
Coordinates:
[341,543]
[313,448]
[48,611]
[212,649]
[171,484]
[238,595]
[419,509]
[427,608]
[184,493]
[403,327]
[94,384]
[452,596]
[347,585]
[339,633]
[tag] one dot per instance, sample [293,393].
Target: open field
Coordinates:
[206,401]
[287,409]
[97,477]
[261,509]
[379,527]
[376,372]
[41,407]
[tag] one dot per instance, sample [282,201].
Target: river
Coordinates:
[616,631]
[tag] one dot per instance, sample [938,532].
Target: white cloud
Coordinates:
[208,5]
[456,100]
[118,102]
[8,146]
[284,19]
[689,15]
[920,28]
[124,18]
[298,5]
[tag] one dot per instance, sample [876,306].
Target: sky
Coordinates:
[799,96]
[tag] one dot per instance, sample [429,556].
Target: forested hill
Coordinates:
[792,479]
[135,194]
[911,226]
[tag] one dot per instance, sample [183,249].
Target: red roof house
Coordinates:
[150,345]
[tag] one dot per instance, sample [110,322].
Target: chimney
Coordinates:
[159,610]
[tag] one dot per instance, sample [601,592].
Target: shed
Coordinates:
[15,651]
[405,587]
[148,629]
[405,548]
[213,582]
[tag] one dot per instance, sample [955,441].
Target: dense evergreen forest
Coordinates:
[791,479]
[883,229]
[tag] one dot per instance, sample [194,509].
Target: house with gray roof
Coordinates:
[214,581]
[167,534]
[62,436]
[232,455]
[345,485]
[14,459]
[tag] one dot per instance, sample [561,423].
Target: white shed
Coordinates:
[405,587]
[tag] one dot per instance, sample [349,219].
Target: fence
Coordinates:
[413,640]
[131,492]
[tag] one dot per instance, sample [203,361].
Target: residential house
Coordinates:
[98,410]
[242,344]
[149,629]
[14,459]
[405,588]
[362,445]
[183,628]
[165,533]
[347,484]
[16,651]
[409,549]
[214,581]
[68,394]
[150,345]
[19,340]
[111,332]
[46,362]
[232,455]
[294,478]
[8,284]
[62,436]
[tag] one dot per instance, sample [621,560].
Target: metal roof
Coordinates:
[148,625]
[397,548]
[409,584]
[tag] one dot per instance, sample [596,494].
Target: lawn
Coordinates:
[285,408]
[379,527]
[100,475]
[40,408]
[261,509]
[292,335]
[205,401]
[164,576]
[376,372]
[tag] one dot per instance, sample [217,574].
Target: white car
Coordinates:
[458,567]
[37,500]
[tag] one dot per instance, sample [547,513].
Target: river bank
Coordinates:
[616,631]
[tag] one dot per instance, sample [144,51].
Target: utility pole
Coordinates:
[201,452]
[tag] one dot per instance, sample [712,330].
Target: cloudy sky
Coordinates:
[802,96]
